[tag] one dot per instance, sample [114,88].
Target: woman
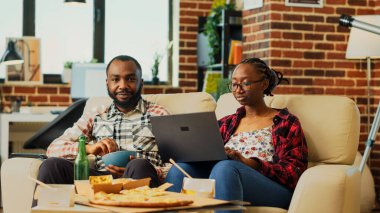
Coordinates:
[267,146]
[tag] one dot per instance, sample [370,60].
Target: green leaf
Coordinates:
[211,29]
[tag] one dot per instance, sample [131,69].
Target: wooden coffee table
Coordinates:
[86,209]
[82,206]
[77,208]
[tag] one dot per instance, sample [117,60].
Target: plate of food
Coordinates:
[140,197]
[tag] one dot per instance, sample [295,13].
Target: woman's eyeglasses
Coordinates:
[243,85]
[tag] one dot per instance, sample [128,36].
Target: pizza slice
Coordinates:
[143,197]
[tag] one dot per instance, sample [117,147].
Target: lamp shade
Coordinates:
[74,1]
[10,56]
[363,44]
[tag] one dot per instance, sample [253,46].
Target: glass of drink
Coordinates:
[199,187]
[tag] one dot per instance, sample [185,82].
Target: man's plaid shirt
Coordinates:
[290,149]
[131,131]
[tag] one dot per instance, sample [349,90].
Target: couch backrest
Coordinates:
[177,103]
[331,124]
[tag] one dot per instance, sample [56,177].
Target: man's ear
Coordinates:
[141,84]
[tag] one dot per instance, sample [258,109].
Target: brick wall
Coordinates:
[190,10]
[59,94]
[309,47]
[37,95]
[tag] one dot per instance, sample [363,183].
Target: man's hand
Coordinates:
[102,147]
[115,170]
[236,155]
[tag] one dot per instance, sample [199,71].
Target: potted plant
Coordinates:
[155,68]
[66,77]
[211,27]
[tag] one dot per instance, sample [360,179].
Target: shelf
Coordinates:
[215,66]
[229,28]
[232,30]
[231,25]
[220,66]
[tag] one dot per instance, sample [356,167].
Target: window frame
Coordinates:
[304,3]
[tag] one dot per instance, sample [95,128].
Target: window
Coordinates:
[66,33]
[12,25]
[139,29]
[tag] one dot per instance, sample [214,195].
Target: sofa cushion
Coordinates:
[180,103]
[176,103]
[330,123]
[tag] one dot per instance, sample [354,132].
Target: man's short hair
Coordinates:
[126,58]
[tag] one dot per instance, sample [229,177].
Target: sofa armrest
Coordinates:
[16,189]
[327,188]
[368,194]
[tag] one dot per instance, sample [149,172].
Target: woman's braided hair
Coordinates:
[274,77]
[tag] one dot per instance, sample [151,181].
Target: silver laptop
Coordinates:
[189,137]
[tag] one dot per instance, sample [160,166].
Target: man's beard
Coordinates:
[128,104]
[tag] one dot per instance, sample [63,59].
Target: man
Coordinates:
[124,125]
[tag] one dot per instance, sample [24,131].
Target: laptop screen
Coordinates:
[189,137]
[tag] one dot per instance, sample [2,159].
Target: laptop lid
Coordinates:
[189,137]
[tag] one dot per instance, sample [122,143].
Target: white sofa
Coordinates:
[331,126]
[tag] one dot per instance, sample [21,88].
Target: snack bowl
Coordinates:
[200,187]
[119,158]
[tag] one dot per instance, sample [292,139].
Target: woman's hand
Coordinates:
[236,155]
[231,153]
[115,170]
[102,147]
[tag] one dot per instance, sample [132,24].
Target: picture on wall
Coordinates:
[211,82]
[304,3]
[29,71]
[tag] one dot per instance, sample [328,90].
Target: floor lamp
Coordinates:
[366,45]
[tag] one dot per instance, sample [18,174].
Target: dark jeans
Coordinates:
[61,171]
[235,181]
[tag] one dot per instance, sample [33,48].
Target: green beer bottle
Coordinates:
[81,164]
